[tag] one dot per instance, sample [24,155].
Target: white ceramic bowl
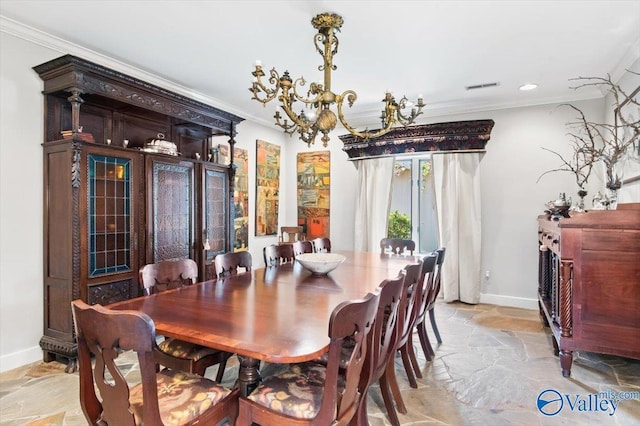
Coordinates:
[320,263]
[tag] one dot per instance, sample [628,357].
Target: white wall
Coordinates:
[511,198]
[21,133]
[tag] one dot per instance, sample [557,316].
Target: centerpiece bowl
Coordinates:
[320,263]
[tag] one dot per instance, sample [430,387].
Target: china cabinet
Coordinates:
[589,282]
[113,199]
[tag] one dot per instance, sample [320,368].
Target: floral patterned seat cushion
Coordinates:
[182,397]
[182,349]
[294,391]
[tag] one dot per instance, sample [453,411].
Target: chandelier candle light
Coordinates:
[319,97]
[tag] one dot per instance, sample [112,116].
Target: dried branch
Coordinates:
[604,142]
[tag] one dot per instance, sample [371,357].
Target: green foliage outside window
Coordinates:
[399,225]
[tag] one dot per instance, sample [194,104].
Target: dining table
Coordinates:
[276,314]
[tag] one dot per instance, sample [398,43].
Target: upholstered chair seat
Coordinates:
[181,349]
[295,391]
[182,397]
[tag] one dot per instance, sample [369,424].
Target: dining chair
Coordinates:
[174,353]
[290,234]
[277,254]
[313,394]
[406,317]
[322,245]
[428,293]
[397,246]
[228,263]
[383,348]
[431,305]
[301,247]
[166,397]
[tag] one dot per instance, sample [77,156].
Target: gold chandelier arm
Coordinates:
[405,120]
[314,89]
[289,129]
[351,97]
[299,120]
[259,87]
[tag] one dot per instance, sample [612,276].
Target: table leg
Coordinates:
[249,374]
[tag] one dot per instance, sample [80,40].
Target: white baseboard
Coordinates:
[514,302]
[20,358]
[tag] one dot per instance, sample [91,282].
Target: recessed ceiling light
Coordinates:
[528,86]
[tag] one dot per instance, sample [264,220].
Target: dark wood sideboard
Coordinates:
[589,282]
[111,202]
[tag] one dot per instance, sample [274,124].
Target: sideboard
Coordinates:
[589,282]
[113,203]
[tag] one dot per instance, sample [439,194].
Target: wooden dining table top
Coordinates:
[275,314]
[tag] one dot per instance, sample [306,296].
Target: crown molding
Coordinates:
[57,44]
[627,60]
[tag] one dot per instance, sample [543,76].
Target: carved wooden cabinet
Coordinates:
[109,205]
[589,282]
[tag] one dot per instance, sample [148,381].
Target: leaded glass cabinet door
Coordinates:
[215,214]
[112,262]
[170,209]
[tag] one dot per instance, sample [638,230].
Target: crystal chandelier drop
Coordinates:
[319,97]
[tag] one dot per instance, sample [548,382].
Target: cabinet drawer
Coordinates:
[605,240]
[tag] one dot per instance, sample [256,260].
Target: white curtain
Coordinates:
[372,202]
[457,185]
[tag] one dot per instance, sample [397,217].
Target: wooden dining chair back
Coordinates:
[428,293]
[167,274]
[408,311]
[436,290]
[174,353]
[397,246]
[301,247]
[383,348]
[322,245]
[228,263]
[107,398]
[277,254]
[290,234]
[311,393]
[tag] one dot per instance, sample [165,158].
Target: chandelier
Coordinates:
[319,98]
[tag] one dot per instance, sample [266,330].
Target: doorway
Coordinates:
[413,194]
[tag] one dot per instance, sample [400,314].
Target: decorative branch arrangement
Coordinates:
[609,143]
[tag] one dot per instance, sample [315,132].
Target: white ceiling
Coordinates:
[435,48]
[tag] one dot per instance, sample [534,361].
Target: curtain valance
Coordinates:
[453,136]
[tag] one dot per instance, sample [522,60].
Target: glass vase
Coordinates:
[579,206]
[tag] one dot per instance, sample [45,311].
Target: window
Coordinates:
[417,200]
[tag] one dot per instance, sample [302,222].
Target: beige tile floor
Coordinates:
[490,369]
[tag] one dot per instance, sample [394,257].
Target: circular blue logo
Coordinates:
[549,402]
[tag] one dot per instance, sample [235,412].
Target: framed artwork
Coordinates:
[314,187]
[241,200]
[267,187]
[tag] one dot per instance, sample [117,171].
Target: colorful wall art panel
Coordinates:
[267,187]
[314,183]
[241,200]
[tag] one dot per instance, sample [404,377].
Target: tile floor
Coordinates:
[490,369]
